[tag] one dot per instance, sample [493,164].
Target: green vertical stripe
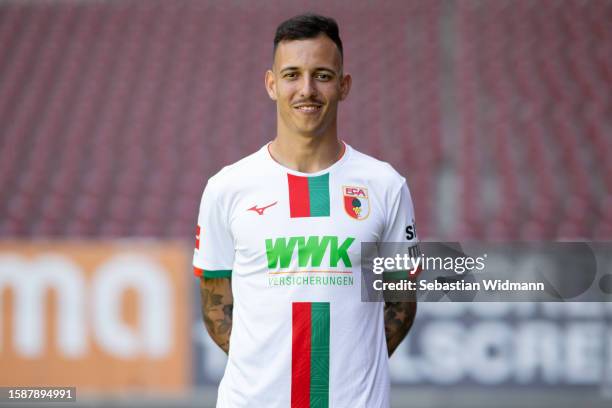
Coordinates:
[319,195]
[319,356]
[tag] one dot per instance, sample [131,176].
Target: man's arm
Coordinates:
[217,309]
[398,320]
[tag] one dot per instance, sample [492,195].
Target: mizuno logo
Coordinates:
[261,210]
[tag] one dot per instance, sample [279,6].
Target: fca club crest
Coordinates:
[356,202]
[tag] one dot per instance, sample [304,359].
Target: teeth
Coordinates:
[309,108]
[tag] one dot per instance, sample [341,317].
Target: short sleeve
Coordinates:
[400,224]
[399,235]
[214,246]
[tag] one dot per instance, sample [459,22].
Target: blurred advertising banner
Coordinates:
[101,316]
[532,344]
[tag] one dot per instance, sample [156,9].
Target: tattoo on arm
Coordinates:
[398,320]
[217,309]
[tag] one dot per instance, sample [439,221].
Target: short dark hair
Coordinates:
[308,26]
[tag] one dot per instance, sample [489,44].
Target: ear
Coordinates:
[270,83]
[345,86]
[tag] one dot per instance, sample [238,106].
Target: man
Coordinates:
[278,245]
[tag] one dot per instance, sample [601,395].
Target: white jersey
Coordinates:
[301,336]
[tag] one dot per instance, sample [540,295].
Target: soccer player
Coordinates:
[278,245]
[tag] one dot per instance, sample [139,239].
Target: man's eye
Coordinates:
[323,77]
[291,75]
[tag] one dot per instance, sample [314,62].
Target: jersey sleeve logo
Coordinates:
[197,238]
[356,202]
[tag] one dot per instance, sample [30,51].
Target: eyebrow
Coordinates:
[316,69]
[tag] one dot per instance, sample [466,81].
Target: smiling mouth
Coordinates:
[308,108]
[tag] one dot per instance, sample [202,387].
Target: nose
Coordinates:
[308,88]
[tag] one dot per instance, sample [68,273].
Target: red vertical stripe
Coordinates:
[299,197]
[300,355]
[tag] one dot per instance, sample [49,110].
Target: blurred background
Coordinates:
[113,114]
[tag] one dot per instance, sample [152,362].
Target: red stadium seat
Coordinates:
[113,116]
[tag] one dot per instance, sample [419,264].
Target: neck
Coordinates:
[304,153]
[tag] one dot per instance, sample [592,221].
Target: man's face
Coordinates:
[306,81]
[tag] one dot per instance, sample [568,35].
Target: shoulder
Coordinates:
[379,173]
[234,174]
